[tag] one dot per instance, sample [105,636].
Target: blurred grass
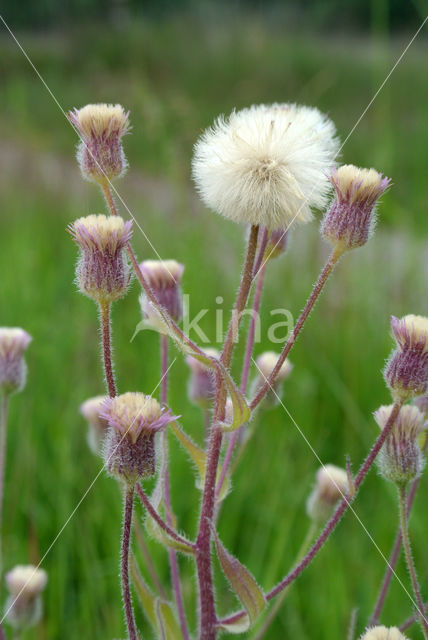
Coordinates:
[176,77]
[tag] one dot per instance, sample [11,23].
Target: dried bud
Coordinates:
[98,426]
[277,244]
[383,633]
[406,372]
[100,152]
[202,380]
[164,278]
[13,369]
[331,486]
[24,606]
[103,272]
[400,459]
[265,364]
[134,419]
[350,220]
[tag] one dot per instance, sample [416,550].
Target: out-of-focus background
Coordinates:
[176,66]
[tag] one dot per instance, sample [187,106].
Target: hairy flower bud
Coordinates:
[265,364]
[406,372]
[98,426]
[134,419]
[164,278]
[350,220]
[13,369]
[400,459]
[103,273]
[202,380]
[383,633]
[24,607]
[100,152]
[331,486]
[276,244]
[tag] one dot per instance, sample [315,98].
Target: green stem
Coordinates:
[402,504]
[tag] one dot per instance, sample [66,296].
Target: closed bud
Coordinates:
[383,633]
[202,380]
[100,152]
[265,364]
[351,217]
[134,419]
[23,607]
[406,372]
[400,459]
[331,485]
[277,244]
[103,272]
[164,278]
[98,426]
[13,369]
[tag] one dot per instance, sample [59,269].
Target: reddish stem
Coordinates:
[316,291]
[261,254]
[107,358]
[335,518]
[126,538]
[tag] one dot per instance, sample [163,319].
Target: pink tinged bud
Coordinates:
[98,426]
[164,278]
[13,369]
[350,220]
[406,372]
[103,272]
[331,485]
[202,381]
[383,633]
[100,152]
[400,459]
[277,244]
[24,606]
[134,419]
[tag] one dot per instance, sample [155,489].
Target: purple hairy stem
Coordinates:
[393,558]
[335,518]
[107,356]
[259,263]
[316,291]
[126,538]
[208,618]
[408,623]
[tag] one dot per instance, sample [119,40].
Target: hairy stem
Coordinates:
[260,261]
[3,420]
[109,198]
[107,353]
[408,623]
[392,562]
[208,616]
[337,515]
[409,559]
[126,538]
[316,291]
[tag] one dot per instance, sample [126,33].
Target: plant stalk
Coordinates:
[107,351]
[126,539]
[3,421]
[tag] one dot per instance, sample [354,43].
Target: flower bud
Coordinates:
[103,273]
[164,278]
[406,372]
[277,244]
[400,459]
[331,486]
[98,426]
[265,364]
[24,606]
[100,152]
[202,380]
[134,419]
[13,369]
[350,220]
[383,633]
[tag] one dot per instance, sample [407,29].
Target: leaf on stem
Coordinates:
[243,584]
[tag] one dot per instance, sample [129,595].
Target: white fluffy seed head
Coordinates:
[383,633]
[266,165]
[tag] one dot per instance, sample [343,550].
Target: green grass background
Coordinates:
[175,77]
